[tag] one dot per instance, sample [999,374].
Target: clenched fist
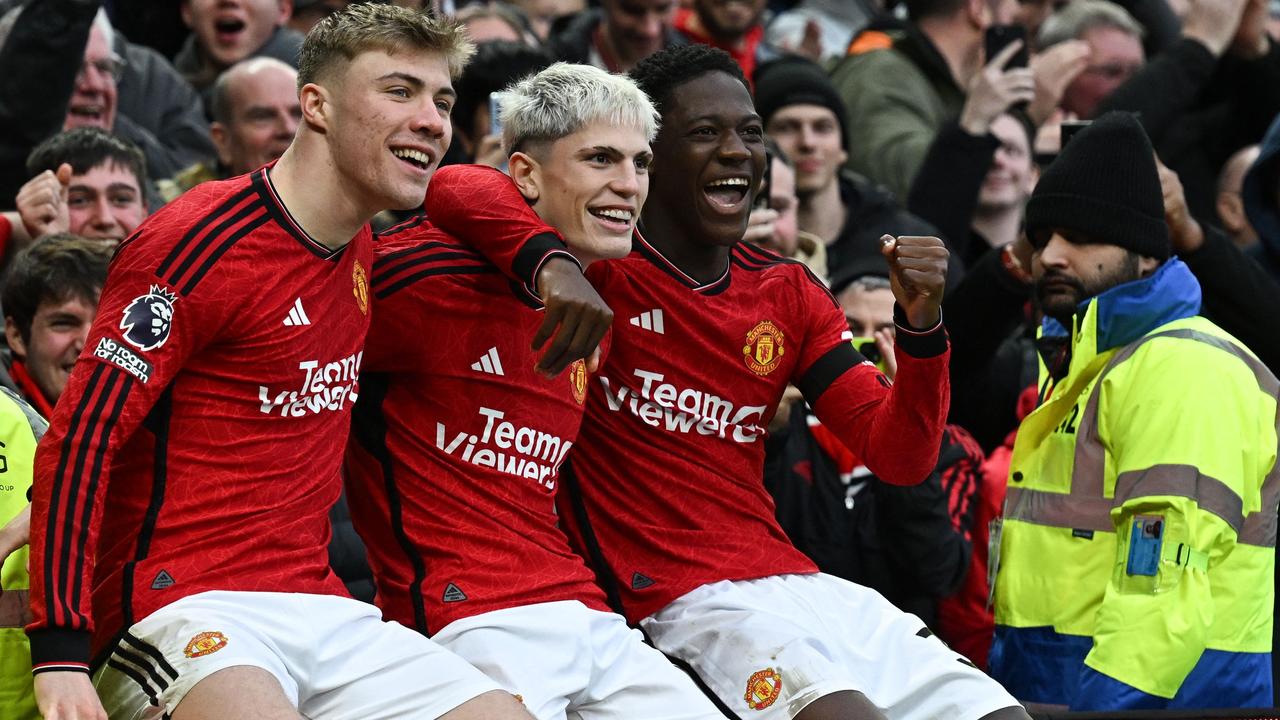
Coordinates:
[917,274]
[42,202]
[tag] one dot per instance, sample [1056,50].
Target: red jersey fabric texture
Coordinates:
[199,443]
[457,442]
[664,491]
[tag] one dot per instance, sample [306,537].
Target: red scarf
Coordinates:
[743,52]
[29,390]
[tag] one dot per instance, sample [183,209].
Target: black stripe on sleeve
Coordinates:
[220,251]
[826,369]
[185,243]
[105,426]
[181,272]
[532,254]
[382,276]
[408,280]
[916,343]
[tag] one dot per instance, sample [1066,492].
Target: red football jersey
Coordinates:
[457,442]
[198,443]
[664,491]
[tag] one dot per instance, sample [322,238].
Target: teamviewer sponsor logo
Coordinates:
[121,356]
[684,410]
[520,451]
[324,387]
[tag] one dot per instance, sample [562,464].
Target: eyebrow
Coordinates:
[416,82]
[611,151]
[113,187]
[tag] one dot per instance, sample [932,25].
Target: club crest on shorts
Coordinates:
[763,350]
[578,380]
[205,643]
[763,688]
[147,319]
[360,283]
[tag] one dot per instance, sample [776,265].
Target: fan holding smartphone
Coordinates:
[1004,83]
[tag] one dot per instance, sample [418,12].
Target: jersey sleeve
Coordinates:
[144,331]
[895,427]
[481,207]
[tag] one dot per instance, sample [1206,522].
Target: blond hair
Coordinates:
[564,98]
[367,27]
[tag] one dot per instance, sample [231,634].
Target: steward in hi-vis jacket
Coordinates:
[1137,550]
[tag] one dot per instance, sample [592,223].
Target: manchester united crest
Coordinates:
[205,643]
[360,280]
[578,381]
[763,350]
[763,688]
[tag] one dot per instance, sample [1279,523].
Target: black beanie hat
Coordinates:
[1104,185]
[792,80]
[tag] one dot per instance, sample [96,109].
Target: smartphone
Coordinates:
[1069,130]
[998,37]
[762,197]
[871,351]
[495,114]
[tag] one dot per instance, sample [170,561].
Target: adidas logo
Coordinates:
[489,363]
[297,316]
[638,581]
[452,594]
[163,580]
[649,320]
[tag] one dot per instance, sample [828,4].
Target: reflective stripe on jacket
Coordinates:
[1138,551]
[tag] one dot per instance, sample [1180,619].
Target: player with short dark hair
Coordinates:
[180,515]
[663,492]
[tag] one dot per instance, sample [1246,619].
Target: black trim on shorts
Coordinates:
[701,684]
[827,369]
[136,676]
[369,428]
[606,578]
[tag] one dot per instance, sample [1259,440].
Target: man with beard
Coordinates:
[734,26]
[664,494]
[1139,533]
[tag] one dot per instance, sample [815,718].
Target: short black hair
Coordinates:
[54,269]
[85,149]
[496,65]
[664,71]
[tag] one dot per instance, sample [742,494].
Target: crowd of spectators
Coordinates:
[883,119]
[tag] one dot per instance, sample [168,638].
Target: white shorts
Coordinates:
[769,647]
[333,656]
[565,660]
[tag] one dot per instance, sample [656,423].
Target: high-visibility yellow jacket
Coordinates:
[1136,565]
[20,430]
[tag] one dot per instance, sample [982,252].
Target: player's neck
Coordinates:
[314,197]
[700,260]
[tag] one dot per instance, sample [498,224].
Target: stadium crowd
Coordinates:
[638,358]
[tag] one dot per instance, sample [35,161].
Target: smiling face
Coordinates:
[58,332]
[590,186]
[105,203]
[1012,174]
[386,120]
[708,158]
[229,31]
[93,97]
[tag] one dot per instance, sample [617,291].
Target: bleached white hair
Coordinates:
[564,98]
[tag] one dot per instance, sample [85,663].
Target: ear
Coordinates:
[221,141]
[978,13]
[315,106]
[526,173]
[14,337]
[184,8]
[1230,211]
[286,12]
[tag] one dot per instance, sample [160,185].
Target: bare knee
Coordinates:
[493,705]
[1010,713]
[843,705]
[238,691]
